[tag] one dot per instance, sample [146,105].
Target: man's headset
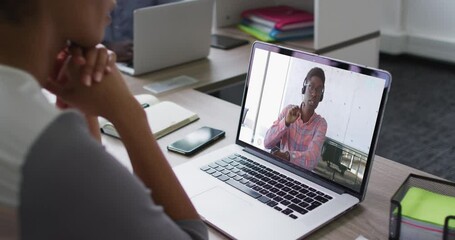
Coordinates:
[305,83]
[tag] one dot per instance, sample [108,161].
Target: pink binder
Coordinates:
[280,17]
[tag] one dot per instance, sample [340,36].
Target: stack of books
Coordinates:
[424,213]
[277,23]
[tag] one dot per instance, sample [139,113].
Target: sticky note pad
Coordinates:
[170,84]
[426,206]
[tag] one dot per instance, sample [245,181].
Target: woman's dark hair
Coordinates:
[315,72]
[14,10]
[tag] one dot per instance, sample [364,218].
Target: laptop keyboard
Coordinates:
[278,191]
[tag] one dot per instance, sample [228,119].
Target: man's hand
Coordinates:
[282,155]
[292,115]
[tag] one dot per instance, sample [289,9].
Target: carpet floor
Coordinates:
[419,122]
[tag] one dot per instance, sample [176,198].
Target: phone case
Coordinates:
[180,146]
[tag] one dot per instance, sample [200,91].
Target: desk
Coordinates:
[212,112]
[221,68]
[369,219]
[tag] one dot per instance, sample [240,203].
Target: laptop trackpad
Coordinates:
[218,203]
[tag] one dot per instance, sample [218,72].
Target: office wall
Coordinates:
[419,27]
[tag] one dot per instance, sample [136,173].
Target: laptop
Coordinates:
[170,34]
[247,192]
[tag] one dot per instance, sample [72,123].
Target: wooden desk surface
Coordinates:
[213,112]
[369,219]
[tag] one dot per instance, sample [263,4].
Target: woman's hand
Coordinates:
[95,62]
[101,99]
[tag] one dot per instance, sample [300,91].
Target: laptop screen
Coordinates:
[317,115]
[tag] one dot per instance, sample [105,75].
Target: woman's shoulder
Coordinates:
[26,111]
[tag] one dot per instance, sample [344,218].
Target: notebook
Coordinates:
[247,192]
[163,117]
[170,34]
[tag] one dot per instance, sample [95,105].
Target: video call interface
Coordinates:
[350,106]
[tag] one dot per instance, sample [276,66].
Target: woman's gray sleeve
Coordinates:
[73,189]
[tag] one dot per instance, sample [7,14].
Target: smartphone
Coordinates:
[225,42]
[196,141]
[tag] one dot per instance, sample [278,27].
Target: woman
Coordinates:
[55,177]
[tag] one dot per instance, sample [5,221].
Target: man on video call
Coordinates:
[119,34]
[299,133]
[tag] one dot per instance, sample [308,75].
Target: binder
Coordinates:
[280,17]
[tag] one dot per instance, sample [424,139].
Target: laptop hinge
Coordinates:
[288,166]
